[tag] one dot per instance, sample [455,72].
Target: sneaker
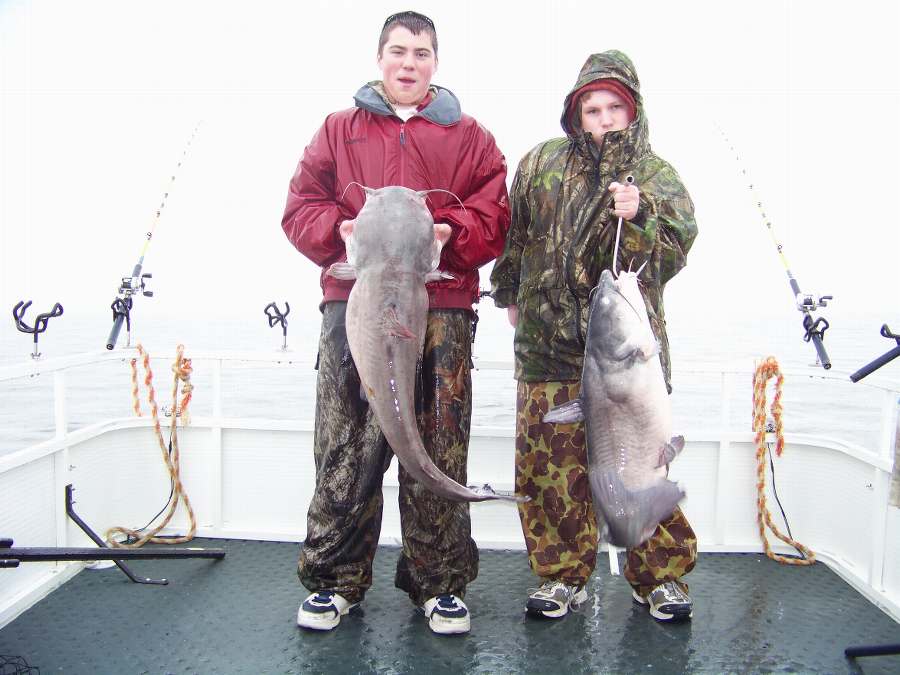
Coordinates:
[667,602]
[554,599]
[323,610]
[447,615]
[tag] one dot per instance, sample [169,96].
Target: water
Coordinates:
[850,412]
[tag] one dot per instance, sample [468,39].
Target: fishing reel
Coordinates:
[814,329]
[808,303]
[121,307]
[135,285]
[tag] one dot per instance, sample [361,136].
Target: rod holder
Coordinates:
[41,322]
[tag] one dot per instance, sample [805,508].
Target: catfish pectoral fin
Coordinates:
[438,275]
[567,413]
[488,492]
[632,516]
[342,271]
[670,450]
[392,326]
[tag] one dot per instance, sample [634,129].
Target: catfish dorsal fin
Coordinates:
[567,413]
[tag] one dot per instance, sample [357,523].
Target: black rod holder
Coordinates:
[275,317]
[40,321]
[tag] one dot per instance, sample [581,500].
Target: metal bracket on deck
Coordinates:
[11,557]
[872,650]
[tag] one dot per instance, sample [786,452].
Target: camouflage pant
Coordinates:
[351,454]
[559,523]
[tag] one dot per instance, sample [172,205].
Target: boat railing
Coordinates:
[250,475]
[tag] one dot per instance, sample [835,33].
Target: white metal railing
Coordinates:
[730,381]
[882,458]
[728,377]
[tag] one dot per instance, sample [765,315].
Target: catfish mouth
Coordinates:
[610,285]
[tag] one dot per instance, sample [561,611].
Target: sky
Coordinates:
[99,100]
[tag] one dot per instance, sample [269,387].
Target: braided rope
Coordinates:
[765,371]
[182,370]
[135,397]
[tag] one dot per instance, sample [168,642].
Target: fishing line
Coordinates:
[814,329]
[135,284]
[629,179]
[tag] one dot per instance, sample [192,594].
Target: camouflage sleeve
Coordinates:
[664,228]
[505,275]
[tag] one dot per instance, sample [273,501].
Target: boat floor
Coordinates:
[238,616]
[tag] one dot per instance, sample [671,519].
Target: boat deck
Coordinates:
[237,616]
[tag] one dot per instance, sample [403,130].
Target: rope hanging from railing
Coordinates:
[764,372]
[182,374]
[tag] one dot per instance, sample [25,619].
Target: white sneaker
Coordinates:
[323,610]
[554,599]
[447,615]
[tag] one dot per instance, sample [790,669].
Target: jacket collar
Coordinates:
[443,109]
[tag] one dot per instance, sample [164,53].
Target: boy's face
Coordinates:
[407,65]
[603,111]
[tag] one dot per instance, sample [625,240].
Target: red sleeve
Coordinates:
[479,231]
[312,215]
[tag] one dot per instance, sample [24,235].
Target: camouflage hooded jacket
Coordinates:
[563,232]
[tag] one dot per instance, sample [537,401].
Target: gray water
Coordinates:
[849,412]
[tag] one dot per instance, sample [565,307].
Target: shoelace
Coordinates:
[548,589]
[323,598]
[447,602]
[673,593]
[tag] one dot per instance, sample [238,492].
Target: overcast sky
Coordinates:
[100,98]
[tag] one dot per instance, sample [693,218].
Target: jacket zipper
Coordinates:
[402,153]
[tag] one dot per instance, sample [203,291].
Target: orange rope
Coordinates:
[182,369]
[766,370]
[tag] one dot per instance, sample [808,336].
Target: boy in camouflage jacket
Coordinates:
[567,197]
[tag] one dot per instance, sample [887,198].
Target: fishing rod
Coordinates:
[814,328]
[135,284]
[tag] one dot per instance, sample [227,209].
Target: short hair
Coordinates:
[414,22]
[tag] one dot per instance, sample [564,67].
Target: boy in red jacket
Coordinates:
[402,131]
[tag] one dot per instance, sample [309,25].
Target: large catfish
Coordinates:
[392,251]
[627,415]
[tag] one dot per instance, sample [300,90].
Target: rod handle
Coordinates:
[820,350]
[114,333]
[875,365]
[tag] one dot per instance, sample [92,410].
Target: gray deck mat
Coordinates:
[751,615]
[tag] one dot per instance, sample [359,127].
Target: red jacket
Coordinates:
[439,147]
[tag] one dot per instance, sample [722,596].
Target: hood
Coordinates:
[443,109]
[615,65]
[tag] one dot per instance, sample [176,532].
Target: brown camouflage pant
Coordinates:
[351,454]
[559,523]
